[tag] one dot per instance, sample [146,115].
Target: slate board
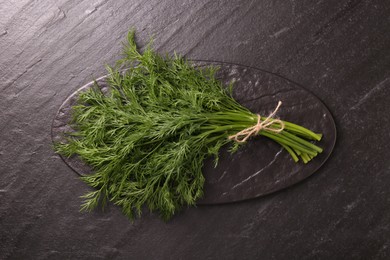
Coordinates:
[261,166]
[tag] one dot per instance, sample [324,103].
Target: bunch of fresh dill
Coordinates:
[147,138]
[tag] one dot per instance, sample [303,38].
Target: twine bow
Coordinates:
[266,124]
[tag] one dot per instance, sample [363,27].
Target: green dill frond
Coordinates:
[147,137]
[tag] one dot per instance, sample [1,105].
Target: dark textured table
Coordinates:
[339,50]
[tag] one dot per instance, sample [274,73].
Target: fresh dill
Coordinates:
[147,137]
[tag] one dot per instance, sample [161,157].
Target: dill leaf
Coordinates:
[147,137]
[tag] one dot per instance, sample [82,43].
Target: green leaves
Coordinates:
[147,138]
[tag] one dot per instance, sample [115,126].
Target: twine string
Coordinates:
[266,124]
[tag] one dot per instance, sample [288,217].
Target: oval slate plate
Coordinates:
[259,167]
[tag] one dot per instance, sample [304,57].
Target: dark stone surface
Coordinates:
[338,50]
[260,167]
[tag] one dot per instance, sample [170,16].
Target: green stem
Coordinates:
[288,142]
[301,141]
[290,151]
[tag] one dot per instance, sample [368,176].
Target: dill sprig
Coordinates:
[147,137]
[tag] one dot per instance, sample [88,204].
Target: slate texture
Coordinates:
[261,166]
[338,50]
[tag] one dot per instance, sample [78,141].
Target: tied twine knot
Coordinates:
[266,124]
